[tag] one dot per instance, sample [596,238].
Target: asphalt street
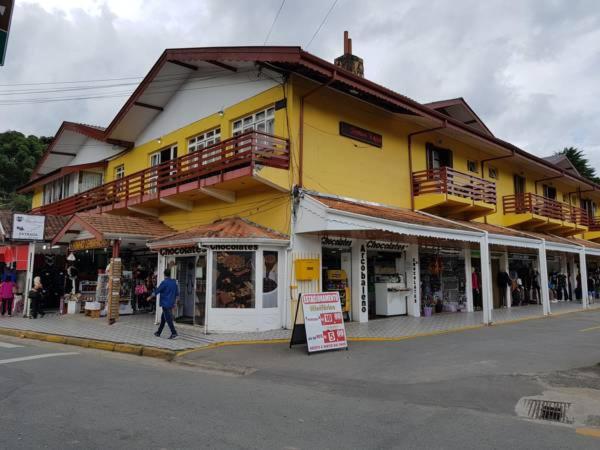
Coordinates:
[457,390]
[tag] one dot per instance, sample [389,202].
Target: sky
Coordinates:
[529,68]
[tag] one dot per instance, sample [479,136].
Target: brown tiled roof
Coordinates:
[233,228]
[495,229]
[388,213]
[588,244]
[126,225]
[53,224]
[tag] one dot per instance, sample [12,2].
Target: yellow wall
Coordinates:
[36,200]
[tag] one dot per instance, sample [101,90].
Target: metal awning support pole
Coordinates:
[543,264]
[468,280]
[583,278]
[486,279]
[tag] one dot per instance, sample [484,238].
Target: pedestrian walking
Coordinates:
[36,297]
[168,292]
[8,289]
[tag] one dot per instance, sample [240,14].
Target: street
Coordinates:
[457,390]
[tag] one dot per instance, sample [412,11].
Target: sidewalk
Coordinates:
[138,329]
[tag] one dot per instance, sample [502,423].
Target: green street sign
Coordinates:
[6,7]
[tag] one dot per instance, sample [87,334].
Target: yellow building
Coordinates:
[259,157]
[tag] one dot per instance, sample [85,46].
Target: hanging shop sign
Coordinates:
[335,242]
[28,227]
[323,327]
[89,244]
[392,246]
[233,247]
[186,250]
[360,134]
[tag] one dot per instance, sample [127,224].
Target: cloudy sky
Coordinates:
[530,69]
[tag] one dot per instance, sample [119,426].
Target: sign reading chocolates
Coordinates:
[335,242]
[233,247]
[189,250]
[360,134]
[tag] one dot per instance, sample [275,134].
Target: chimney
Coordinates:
[349,61]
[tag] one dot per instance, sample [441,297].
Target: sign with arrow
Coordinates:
[6,8]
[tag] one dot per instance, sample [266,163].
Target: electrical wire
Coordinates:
[321,24]
[273,24]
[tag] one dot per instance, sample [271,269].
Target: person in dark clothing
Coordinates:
[168,292]
[503,282]
[36,297]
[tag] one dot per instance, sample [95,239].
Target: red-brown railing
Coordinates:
[446,180]
[537,204]
[594,223]
[246,150]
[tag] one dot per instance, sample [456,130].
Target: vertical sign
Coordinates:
[323,321]
[363,278]
[114,290]
[6,7]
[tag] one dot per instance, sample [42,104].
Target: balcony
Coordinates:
[594,229]
[216,171]
[450,193]
[534,212]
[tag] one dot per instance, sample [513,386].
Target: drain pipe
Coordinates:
[301,131]
[410,164]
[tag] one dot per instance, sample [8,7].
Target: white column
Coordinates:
[563,269]
[160,268]
[468,279]
[543,266]
[413,274]
[583,276]
[486,279]
[359,285]
[28,278]
[505,267]
[573,277]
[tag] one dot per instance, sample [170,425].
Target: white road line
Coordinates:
[7,345]
[29,358]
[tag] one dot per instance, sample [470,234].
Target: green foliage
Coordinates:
[18,156]
[581,163]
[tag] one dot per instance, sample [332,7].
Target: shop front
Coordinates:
[231,275]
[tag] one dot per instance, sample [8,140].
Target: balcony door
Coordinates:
[519,184]
[438,157]
[159,177]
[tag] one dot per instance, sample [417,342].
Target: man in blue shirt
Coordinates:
[169,292]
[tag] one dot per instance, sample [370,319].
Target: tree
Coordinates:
[18,156]
[581,163]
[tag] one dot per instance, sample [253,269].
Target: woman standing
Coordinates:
[36,297]
[8,289]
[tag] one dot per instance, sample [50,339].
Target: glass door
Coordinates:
[200,294]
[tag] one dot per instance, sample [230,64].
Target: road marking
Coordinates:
[592,432]
[29,358]
[7,345]
[591,328]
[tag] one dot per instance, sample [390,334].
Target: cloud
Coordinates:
[528,68]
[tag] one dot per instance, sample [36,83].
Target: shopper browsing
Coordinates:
[168,292]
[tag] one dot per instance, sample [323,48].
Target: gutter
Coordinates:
[410,164]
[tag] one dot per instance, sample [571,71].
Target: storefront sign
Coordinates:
[376,245]
[88,244]
[360,134]
[363,278]
[323,321]
[28,227]
[233,247]
[335,242]
[179,251]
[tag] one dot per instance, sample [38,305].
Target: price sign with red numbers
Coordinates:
[323,321]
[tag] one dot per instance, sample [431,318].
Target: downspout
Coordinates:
[410,165]
[301,131]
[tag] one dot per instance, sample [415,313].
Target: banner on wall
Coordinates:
[323,327]
[28,227]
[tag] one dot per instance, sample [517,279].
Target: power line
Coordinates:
[273,24]
[321,24]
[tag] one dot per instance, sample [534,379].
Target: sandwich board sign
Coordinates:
[6,7]
[323,327]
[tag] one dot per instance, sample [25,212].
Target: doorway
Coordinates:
[186,279]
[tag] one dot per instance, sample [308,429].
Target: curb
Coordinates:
[131,349]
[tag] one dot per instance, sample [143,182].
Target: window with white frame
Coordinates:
[263,121]
[89,180]
[57,190]
[205,140]
[119,172]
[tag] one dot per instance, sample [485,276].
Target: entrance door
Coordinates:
[272,290]
[200,297]
[495,287]
[186,269]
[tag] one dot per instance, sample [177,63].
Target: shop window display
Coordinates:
[270,279]
[442,281]
[234,280]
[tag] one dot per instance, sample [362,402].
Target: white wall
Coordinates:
[94,151]
[196,100]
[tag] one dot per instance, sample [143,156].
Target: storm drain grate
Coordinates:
[547,410]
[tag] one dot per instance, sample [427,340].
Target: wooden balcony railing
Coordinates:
[246,150]
[446,180]
[542,206]
[594,223]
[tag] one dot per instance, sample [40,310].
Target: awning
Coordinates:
[233,230]
[108,226]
